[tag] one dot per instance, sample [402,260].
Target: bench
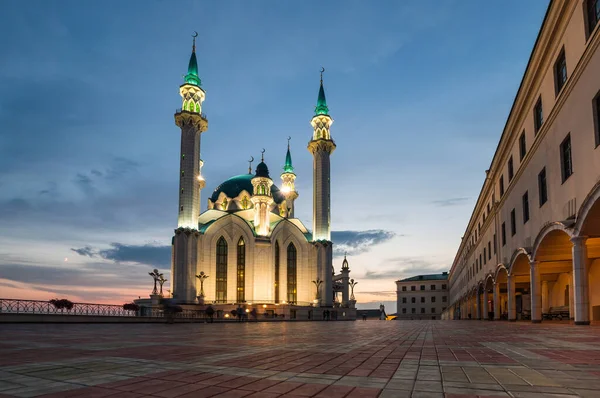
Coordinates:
[557,313]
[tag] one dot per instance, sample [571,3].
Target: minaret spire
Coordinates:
[288,188]
[192,75]
[321,108]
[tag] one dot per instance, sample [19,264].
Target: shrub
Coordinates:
[62,304]
[233,313]
[131,307]
[210,311]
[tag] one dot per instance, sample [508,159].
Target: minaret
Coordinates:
[345,281]
[262,198]
[192,123]
[288,188]
[322,146]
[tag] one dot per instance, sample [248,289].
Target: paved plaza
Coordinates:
[302,359]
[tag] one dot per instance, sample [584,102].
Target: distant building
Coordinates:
[422,296]
[531,248]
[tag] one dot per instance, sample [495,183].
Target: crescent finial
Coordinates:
[195,34]
[194,44]
[322,70]
[262,159]
[250,164]
[289,138]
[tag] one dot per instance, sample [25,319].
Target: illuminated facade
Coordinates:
[248,241]
[531,249]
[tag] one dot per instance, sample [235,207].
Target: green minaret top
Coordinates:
[288,168]
[192,75]
[321,108]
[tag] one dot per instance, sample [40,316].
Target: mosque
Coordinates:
[248,248]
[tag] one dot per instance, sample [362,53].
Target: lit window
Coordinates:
[565,158]
[277,259]
[221,279]
[241,270]
[560,72]
[291,273]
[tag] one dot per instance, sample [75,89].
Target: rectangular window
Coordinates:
[432,287]
[542,187]
[522,146]
[444,299]
[513,223]
[503,234]
[501,186]
[433,299]
[593,14]
[422,310]
[422,299]
[413,310]
[433,310]
[560,72]
[480,262]
[538,115]
[404,310]
[413,288]
[413,300]
[495,243]
[403,288]
[566,160]
[525,207]
[489,250]
[444,287]
[596,104]
[422,287]
[511,169]
[404,300]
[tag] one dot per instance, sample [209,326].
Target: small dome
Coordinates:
[233,186]
[262,170]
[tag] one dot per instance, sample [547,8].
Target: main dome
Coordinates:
[233,186]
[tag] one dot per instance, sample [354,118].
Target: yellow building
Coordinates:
[531,249]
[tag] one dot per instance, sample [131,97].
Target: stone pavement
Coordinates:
[300,359]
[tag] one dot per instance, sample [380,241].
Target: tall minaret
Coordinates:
[288,188]
[321,146]
[192,123]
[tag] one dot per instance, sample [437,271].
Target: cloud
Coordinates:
[153,255]
[450,202]
[404,267]
[85,251]
[390,274]
[390,293]
[356,242]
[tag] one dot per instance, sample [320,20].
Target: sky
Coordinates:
[89,152]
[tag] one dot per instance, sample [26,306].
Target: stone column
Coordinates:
[496,301]
[545,298]
[477,305]
[484,305]
[536,292]
[571,298]
[581,268]
[512,296]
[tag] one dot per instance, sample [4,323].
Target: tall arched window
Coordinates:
[276,284]
[291,274]
[221,280]
[241,271]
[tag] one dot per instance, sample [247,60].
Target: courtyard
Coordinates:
[300,359]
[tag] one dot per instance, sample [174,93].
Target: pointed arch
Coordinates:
[277,262]
[197,108]
[292,285]
[221,271]
[241,271]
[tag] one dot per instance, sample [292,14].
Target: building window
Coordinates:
[511,169]
[503,234]
[484,256]
[422,299]
[596,104]
[241,270]
[433,310]
[444,299]
[221,279]
[403,288]
[566,161]
[480,262]
[495,243]
[444,287]
[538,115]
[404,300]
[413,288]
[513,223]
[404,310]
[422,287]
[181,208]
[432,287]
[560,71]
[525,207]
[291,274]
[433,299]
[542,187]
[422,310]
[413,310]
[277,261]
[413,300]
[489,250]
[522,146]
[593,14]
[501,186]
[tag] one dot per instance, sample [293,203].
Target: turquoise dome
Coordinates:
[233,186]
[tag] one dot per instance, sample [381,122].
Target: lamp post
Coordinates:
[156,276]
[352,284]
[202,276]
[161,281]
[317,299]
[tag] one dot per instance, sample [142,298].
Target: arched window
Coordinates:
[276,284]
[291,274]
[191,106]
[221,285]
[185,105]
[224,203]
[245,203]
[241,270]
[197,108]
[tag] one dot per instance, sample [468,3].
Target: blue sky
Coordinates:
[419,91]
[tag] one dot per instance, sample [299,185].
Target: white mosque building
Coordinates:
[247,245]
